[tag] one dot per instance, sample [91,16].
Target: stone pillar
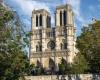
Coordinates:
[57,18]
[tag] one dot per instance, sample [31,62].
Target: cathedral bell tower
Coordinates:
[65,30]
[41,25]
[49,45]
[40,21]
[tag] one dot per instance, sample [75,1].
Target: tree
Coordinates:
[64,67]
[79,65]
[13,61]
[89,45]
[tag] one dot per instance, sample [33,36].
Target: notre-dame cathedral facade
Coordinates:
[50,44]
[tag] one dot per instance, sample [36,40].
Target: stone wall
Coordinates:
[65,77]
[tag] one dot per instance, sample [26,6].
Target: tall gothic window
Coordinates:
[60,18]
[36,48]
[48,21]
[64,18]
[40,20]
[36,21]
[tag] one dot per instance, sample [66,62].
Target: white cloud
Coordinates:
[76,8]
[28,5]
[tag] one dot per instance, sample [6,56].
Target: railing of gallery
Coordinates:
[50,53]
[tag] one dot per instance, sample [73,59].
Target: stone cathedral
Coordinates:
[50,44]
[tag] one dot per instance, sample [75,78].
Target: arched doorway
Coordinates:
[39,64]
[51,65]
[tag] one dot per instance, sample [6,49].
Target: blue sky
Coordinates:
[84,10]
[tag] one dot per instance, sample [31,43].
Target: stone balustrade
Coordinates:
[50,53]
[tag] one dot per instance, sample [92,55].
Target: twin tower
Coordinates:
[50,44]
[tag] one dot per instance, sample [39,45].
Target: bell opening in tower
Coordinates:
[64,17]
[36,21]
[60,18]
[41,20]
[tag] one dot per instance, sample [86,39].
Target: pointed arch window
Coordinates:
[41,20]
[60,18]
[48,21]
[64,44]
[38,47]
[64,17]
[36,20]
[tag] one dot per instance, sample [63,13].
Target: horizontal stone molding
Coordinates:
[50,54]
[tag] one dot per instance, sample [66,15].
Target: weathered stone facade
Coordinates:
[48,43]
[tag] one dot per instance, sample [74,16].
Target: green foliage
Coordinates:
[89,45]
[79,65]
[5,15]
[61,68]
[13,62]
[35,70]
[64,67]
